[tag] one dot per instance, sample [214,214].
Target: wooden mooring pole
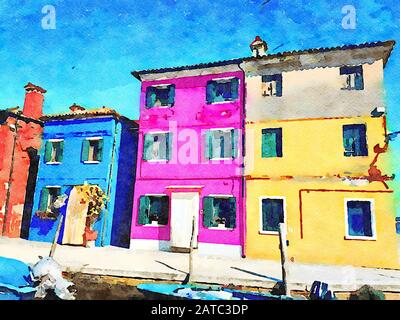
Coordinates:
[284,260]
[54,245]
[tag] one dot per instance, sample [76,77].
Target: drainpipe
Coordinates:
[243,180]
[7,204]
[109,183]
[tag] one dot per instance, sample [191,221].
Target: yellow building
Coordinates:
[316,156]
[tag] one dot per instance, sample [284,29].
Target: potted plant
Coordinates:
[220,222]
[153,219]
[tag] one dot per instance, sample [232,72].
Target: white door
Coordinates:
[184,206]
[75,219]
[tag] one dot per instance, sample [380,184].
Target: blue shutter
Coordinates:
[235,143]
[235,88]
[279,85]
[171,95]
[211,91]
[151,97]
[231,223]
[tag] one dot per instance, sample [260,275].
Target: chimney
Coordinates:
[76,108]
[33,104]
[259,47]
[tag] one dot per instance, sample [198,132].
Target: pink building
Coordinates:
[190,160]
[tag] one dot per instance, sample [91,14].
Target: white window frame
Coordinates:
[222,196]
[373,220]
[153,133]
[51,187]
[93,139]
[160,86]
[226,79]
[224,130]
[260,199]
[54,140]
[156,225]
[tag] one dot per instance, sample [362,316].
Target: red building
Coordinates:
[20,139]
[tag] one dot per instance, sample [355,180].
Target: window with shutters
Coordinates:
[360,222]
[271,143]
[272,85]
[219,212]
[355,140]
[153,210]
[54,150]
[272,214]
[48,196]
[92,150]
[353,78]
[160,96]
[221,90]
[221,144]
[157,146]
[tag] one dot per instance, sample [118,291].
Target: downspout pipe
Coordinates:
[243,180]
[104,228]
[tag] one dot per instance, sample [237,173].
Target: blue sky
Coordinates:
[88,58]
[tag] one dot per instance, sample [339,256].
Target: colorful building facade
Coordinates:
[189,173]
[91,151]
[317,156]
[20,140]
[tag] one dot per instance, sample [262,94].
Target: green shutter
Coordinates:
[269,144]
[85,150]
[168,138]
[144,206]
[100,150]
[47,152]
[207,146]
[147,144]
[60,151]
[44,199]
[208,211]
[235,143]
[232,213]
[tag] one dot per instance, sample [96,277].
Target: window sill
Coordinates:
[360,238]
[91,162]
[222,102]
[221,229]
[221,159]
[154,225]
[159,107]
[157,160]
[53,163]
[269,233]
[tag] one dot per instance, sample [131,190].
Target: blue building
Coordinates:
[95,149]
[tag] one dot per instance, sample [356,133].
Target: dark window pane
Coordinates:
[222,90]
[355,140]
[160,96]
[359,218]
[272,214]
